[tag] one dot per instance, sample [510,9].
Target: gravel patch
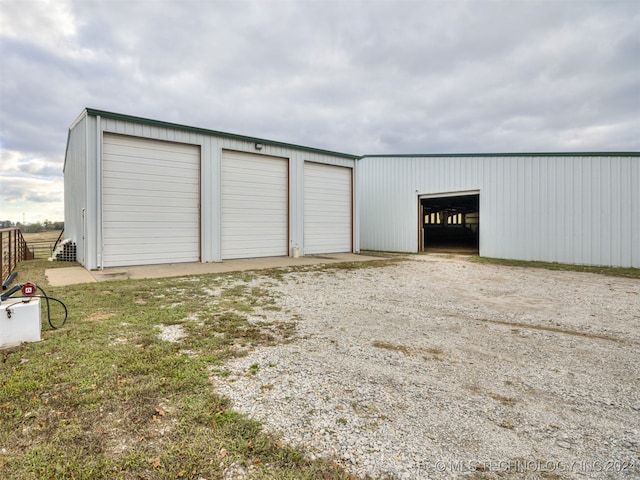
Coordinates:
[171,333]
[439,367]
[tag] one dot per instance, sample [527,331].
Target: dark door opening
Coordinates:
[451,224]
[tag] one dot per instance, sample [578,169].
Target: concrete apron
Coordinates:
[59,277]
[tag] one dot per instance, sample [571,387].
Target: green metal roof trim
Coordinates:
[535,154]
[158,123]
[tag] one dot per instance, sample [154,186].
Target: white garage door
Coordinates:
[255,204]
[151,201]
[327,209]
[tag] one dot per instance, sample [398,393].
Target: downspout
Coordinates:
[84,237]
[98,193]
[355,180]
[89,245]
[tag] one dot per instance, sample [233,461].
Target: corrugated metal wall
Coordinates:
[75,185]
[211,158]
[582,209]
[556,208]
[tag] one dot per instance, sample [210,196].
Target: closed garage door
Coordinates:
[151,201]
[255,205]
[327,209]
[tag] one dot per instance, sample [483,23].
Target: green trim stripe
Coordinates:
[158,123]
[531,154]
[204,131]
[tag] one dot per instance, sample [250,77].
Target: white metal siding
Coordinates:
[85,178]
[75,187]
[254,205]
[211,150]
[151,201]
[570,209]
[327,209]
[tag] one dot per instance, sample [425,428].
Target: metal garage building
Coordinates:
[581,208]
[141,192]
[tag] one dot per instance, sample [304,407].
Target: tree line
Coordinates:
[36,227]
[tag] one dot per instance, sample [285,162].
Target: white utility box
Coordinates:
[19,321]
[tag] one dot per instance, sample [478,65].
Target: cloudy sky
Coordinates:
[350,76]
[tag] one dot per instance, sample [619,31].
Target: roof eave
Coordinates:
[204,131]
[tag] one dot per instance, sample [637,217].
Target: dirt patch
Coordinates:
[99,316]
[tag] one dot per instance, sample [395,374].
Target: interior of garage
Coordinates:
[450,224]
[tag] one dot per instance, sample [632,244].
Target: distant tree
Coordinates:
[32,228]
[49,225]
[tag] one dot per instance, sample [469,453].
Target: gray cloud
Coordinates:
[358,76]
[39,169]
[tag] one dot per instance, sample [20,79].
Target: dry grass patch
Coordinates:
[612,271]
[431,353]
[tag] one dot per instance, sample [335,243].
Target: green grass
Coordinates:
[612,271]
[105,398]
[41,243]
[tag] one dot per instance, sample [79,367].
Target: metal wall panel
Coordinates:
[555,208]
[75,185]
[634,215]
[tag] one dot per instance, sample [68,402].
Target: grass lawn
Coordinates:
[105,397]
[46,236]
[41,243]
[612,271]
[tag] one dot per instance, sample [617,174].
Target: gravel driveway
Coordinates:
[440,367]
